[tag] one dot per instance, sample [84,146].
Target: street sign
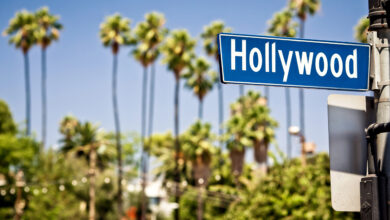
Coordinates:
[348,116]
[278,61]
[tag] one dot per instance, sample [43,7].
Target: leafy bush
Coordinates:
[289,191]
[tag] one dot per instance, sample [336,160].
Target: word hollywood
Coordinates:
[293,62]
[304,63]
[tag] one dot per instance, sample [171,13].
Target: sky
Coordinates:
[79,67]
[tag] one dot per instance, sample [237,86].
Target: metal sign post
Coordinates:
[374,188]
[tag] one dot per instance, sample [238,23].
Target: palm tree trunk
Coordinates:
[220,109]
[43,93]
[144,153]
[117,133]
[200,110]
[200,207]
[288,120]
[301,92]
[266,94]
[28,93]
[220,105]
[92,184]
[241,90]
[177,147]
[151,98]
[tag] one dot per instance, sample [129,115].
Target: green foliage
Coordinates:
[199,78]
[149,34]
[302,7]
[282,24]
[48,27]
[259,124]
[22,27]
[178,50]
[289,191]
[115,31]
[44,195]
[209,36]
[17,153]
[250,122]
[361,30]
[79,138]
[7,124]
[161,146]
[188,205]
[197,142]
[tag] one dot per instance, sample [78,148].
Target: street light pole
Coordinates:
[303,151]
[294,130]
[378,157]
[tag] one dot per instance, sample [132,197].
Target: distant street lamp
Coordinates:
[295,130]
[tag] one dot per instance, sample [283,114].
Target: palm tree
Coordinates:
[22,28]
[114,32]
[210,45]
[83,139]
[259,126]
[250,125]
[198,148]
[361,30]
[149,35]
[47,31]
[301,8]
[236,141]
[162,146]
[200,80]
[282,25]
[178,52]
[155,33]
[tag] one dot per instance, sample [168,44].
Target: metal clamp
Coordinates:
[383,83]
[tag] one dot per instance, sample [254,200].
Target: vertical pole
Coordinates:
[44,106]
[92,182]
[28,93]
[117,133]
[177,148]
[144,154]
[301,92]
[241,90]
[288,119]
[379,36]
[266,94]
[382,96]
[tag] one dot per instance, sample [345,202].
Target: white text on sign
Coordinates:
[303,59]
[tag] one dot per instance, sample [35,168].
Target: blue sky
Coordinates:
[79,68]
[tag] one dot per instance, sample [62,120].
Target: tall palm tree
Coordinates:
[361,30]
[236,139]
[250,125]
[200,80]
[155,32]
[114,32]
[149,34]
[198,148]
[22,28]
[83,139]
[301,9]
[210,45]
[282,25]
[47,31]
[259,126]
[178,52]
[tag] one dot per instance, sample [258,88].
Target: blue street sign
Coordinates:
[279,61]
